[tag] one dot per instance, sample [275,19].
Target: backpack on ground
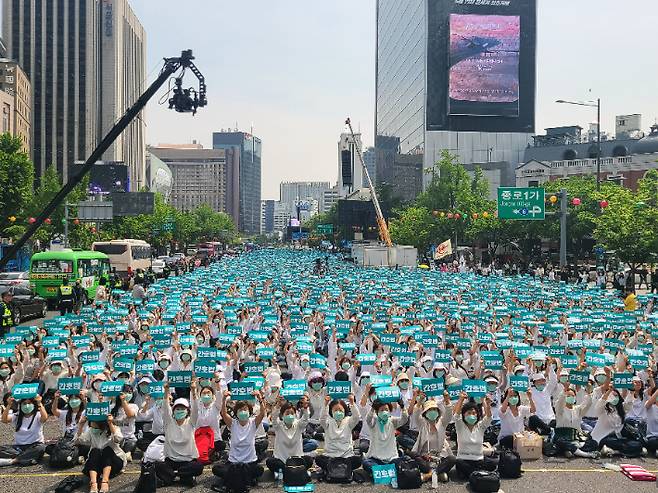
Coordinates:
[509,465]
[408,474]
[484,481]
[63,455]
[339,470]
[204,438]
[148,481]
[295,472]
[69,484]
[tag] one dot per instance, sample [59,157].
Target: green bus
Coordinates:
[48,269]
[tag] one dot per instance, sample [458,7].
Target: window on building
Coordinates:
[533,183]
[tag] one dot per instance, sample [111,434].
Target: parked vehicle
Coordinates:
[158,265]
[26,304]
[15,279]
[126,254]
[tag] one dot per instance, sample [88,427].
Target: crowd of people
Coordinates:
[254,362]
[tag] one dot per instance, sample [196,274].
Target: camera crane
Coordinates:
[181,101]
[384,234]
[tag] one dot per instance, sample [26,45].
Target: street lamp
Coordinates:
[596,105]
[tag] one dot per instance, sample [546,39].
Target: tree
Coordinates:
[415,226]
[16,183]
[450,187]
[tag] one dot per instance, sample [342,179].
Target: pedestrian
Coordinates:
[471,422]
[66,298]
[6,311]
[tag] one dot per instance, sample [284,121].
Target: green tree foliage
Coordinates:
[415,226]
[16,182]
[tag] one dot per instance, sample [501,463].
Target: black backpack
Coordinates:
[484,481]
[408,474]
[339,470]
[69,484]
[509,464]
[147,482]
[295,472]
[63,455]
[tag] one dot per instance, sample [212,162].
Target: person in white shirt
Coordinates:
[652,422]
[338,426]
[28,447]
[513,416]
[544,384]
[288,430]
[383,446]
[124,413]
[180,449]
[471,422]
[106,459]
[208,413]
[569,417]
[432,451]
[242,446]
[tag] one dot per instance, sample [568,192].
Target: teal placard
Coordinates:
[156,390]
[339,390]
[7,350]
[25,391]
[519,383]
[623,381]
[207,352]
[432,387]
[89,357]
[69,386]
[123,364]
[242,391]
[307,488]
[474,388]
[93,368]
[388,394]
[145,366]
[318,361]
[578,377]
[442,356]
[179,379]
[366,359]
[97,411]
[111,389]
[380,380]
[265,353]
[254,367]
[384,474]
[204,368]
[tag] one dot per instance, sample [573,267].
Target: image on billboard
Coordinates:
[484,65]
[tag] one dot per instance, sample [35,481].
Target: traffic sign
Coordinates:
[325,229]
[521,203]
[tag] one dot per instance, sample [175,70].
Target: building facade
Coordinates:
[248,180]
[329,199]
[199,176]
[624,161]
[15,82]
[282,216]
[63,47]
[369,158]
[122,80]
[293,192]
[419,59]
[267,217]
[350,171]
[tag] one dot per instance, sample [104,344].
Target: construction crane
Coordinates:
[384,234]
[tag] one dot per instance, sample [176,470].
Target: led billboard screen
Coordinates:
[484,65]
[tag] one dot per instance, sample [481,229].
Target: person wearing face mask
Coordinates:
[242,446]
[544,384]
[367,398]
[288,431]
[607,434]
[124,413]
[208,412]
[652,422]
[338,425]
[9,377]
[568,419]
[151,413]
[28,447]
[383,446]
[316,394]
[180,449]
[431,451]
[471,423]
[598,382]
[513,416]
[408,432]
[106,459]
[69,418]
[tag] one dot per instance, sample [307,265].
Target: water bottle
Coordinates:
[435,480]
[394,482]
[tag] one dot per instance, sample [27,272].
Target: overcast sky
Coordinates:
[294,69]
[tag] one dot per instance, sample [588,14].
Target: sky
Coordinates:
[295,69]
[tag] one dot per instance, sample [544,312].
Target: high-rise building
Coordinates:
[456,76]
[14,82]
[85,61]
[248,181]
[200,176]
[307,191]
[350,171]
[282,216]
[266,217]
[122,81]
[329,199]
[369,158]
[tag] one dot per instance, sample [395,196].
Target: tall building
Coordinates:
[267,217]
[249,148]
[350,171]
[438,89]
[122,80]
[282,216]
[74,53]
[329,199]
[200,176]
[308,191]
[14,82]
[369,158]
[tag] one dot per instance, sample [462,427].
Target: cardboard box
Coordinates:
[528,445]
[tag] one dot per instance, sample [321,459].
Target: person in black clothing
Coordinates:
[80,295]
[654,281]
[65,298]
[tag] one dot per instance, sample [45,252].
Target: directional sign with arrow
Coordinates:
[526,204]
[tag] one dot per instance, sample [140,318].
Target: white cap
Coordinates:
[538,376]
[519,368]
[274,379]
[181,402]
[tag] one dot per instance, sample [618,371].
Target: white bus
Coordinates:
[125,254]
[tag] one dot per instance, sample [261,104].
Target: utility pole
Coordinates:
[66,225]
[563,227]
[598,150]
